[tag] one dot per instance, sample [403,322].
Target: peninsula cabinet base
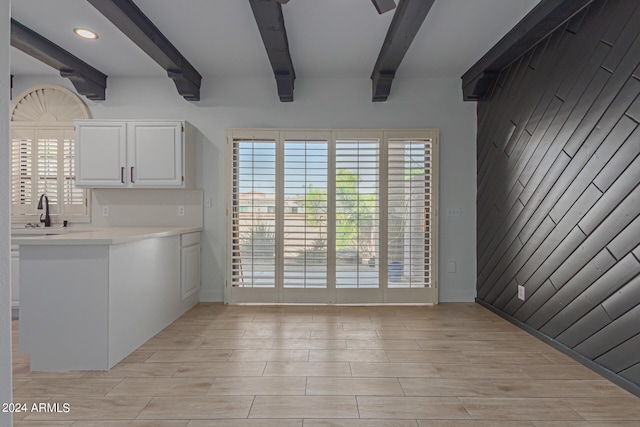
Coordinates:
[86,307]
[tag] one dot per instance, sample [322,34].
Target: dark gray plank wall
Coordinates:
[558,206]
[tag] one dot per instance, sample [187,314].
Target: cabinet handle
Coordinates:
[122,174]
[132,181]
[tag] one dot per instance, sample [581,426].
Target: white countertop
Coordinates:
[52,236]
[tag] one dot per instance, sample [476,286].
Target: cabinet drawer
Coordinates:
[189,239]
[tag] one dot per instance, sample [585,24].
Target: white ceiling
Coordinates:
[327,38]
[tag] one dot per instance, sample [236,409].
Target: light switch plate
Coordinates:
[521,292]
[452,267]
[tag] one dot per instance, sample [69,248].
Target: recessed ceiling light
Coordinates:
[85,34]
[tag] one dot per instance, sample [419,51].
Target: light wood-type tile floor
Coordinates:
[450,365]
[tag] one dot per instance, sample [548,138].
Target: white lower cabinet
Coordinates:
[190,264]
[15,277]
[99,302]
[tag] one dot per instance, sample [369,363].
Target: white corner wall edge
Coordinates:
[5,216]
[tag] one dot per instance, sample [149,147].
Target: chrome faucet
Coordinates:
[47,218]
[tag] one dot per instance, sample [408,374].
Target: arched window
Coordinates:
[42,154]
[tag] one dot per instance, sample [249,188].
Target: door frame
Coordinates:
[383,294]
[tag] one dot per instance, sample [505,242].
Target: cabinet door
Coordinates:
[15,274]
[155,154]
[190,271]
[101,154]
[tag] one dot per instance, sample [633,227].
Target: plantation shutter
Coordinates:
[410,212]
[73,199]
[42,154]
[346,216]
[42,162]
[305,211]
[47,167]
[253,215]
[357,212]
[22,192]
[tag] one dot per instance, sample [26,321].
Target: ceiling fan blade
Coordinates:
[282,1]
[383,6]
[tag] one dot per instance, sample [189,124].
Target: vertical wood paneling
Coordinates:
[558,207]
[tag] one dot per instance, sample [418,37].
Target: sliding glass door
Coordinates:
[304,217]
[411,256]
[357,216]
[332,216]
[252,213]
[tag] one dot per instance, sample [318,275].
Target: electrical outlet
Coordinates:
[180,210]
[453,212]
[521,292]
[106,210]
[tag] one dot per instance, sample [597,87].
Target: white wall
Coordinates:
[5,217]
[319,103]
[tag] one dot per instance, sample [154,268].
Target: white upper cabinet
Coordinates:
[154,152]
[101,154]
[129,154]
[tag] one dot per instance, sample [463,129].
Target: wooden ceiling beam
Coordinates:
[407,20]
[268,15]
[133,23]
[87,80]
[383,6]
[542,20]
